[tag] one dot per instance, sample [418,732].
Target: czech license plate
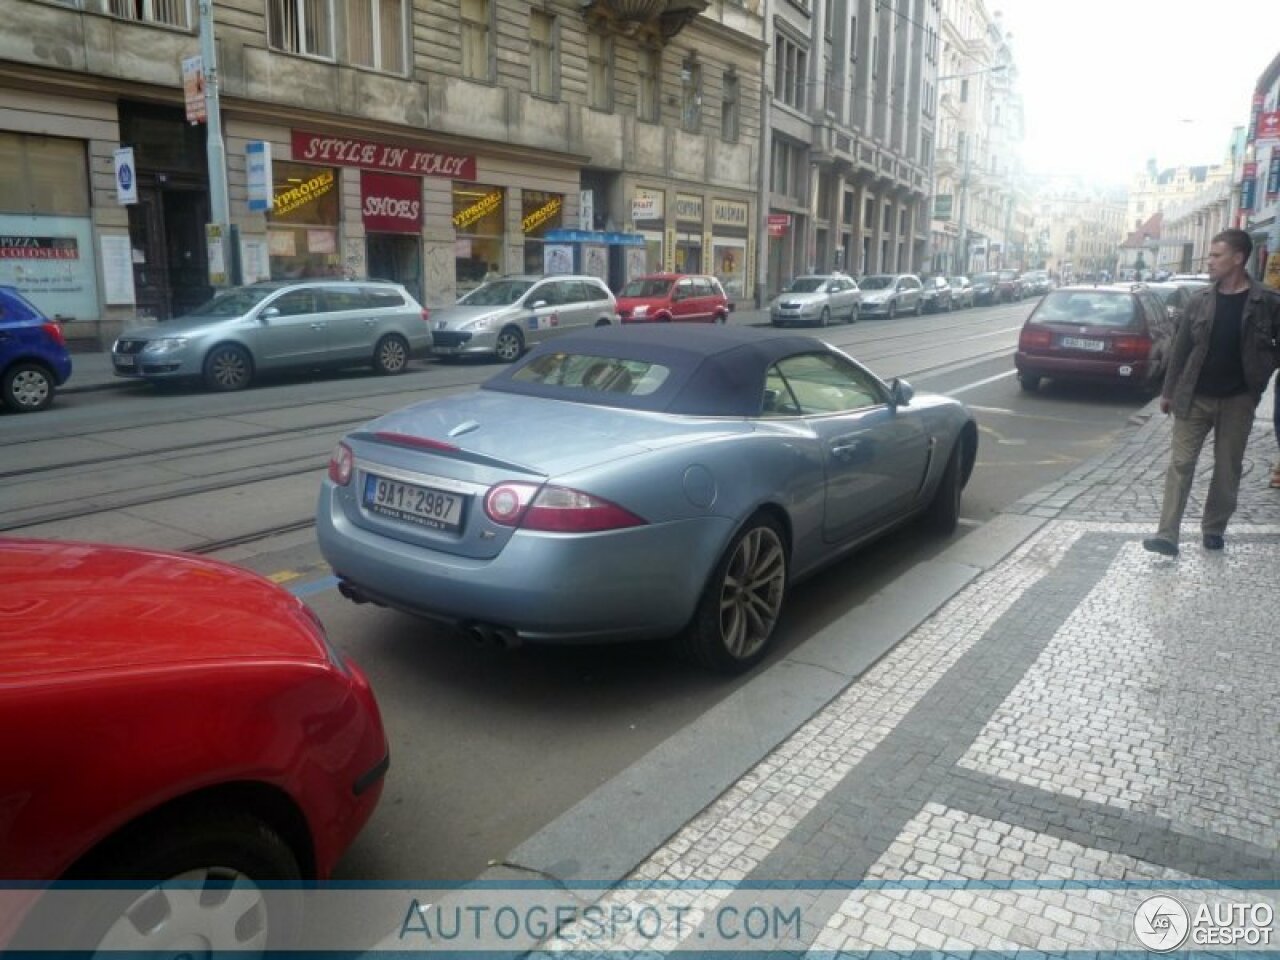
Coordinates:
[1080,343]
[126,362]
[426,506]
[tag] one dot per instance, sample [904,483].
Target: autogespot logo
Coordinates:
[1161,924]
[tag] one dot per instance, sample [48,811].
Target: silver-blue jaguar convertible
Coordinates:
[638,482]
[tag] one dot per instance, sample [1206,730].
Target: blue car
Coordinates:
[638,482]
[34,360]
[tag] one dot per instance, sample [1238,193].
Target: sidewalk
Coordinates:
[1083,726]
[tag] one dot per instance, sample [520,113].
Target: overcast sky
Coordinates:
[1107,84]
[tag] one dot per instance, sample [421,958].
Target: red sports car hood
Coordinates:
[70,607]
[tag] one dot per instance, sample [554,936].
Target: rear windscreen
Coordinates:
[572,371]
[1095,308]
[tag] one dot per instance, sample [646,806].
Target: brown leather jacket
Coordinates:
[1258,344]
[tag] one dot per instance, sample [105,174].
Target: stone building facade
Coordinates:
[431,142]
[982,213]
[851,105]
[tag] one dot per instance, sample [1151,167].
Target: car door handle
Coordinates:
[845,447]
[370,321]
[318,326]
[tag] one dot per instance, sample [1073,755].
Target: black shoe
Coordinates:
[1162,546]
[1213,541]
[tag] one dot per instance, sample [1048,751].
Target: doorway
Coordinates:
[397,257]
[170,267]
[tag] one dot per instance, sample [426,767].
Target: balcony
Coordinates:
[652,23]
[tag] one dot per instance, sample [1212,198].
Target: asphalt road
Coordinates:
[488,746]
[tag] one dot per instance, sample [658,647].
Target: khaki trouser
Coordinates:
[1230,419]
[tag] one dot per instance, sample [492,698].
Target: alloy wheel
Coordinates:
[752,592]
[195,913]
[393,356]
[508,346]
[229,369]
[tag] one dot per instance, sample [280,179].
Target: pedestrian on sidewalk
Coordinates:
[1222,357]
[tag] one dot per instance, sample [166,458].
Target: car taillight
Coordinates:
[341,465]
[426,315]
[55,333]
[1136,348]
[1035,338]
[555,510]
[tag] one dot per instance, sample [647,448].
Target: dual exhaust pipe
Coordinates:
[482,634]
[487,635]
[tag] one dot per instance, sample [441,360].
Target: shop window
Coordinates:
[302,226]
[475,17]
[44,175]
[478,219]
[691,95]
[175,13]
[376,34]
[301,26]
[650,106]
[729,116]
[46,235]
[543,79]
[600,71]
[540,212]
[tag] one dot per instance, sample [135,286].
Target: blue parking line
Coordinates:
[315,586]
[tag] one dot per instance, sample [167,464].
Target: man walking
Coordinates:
[1221,359]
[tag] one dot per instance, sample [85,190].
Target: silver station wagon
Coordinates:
[272,326]
[502,316]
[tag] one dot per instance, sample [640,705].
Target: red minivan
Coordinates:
[673,297]
[1091,333]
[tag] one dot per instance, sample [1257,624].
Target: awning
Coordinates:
[594,236]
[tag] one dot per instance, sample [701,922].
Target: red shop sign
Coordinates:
[352,152]
[390,204]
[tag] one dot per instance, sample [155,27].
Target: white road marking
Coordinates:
[981,383]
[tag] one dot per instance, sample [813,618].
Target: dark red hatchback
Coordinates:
[1090,333]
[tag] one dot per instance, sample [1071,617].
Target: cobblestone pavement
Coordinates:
[1083,727]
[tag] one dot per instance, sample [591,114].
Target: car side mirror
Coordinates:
[268,313]
[902,392]
[538,303]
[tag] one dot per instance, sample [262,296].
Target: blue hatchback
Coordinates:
[34,360]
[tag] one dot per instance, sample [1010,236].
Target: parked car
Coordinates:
[816,300]
[1036,283]
[1202,278]
[502,317]
[984,288]
[962,291]
[167,717]
[1175,296]
[1090,333]
[935,293]
[1008,286]
[712,468]
[673,298]
[34,360]
[245,331]
[890,294]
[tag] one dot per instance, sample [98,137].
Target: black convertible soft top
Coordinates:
[716,371]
